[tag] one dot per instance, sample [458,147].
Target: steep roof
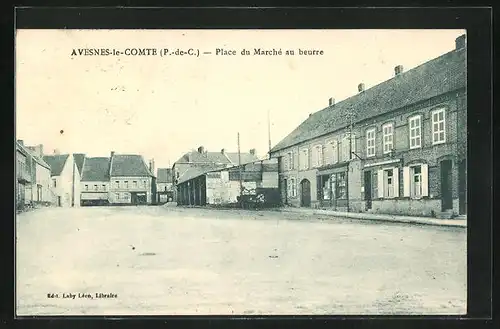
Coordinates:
[79,159]
[56,163]
[128,165]
[28,151]
[438,76]
[205,157]
[196,171]
[245,157]
[164,175]
[95,169]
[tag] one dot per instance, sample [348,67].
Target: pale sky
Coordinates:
[162,107]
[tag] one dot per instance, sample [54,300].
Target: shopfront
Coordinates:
[332,188]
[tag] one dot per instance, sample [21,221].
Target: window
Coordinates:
[326,188]
[117,196]
[388,134]
[370,142]
[144,183]
[415,132]
[55,182]
[95,187]
[290,160]
[134,183]
[126,183]
[103,187]
[353,146]
[304,159]
[345,148]
[438,127]
[415,179]
[117,184]
[340,186]
[86,187]
[292,188]
[388,183]
[335,156]
[318,156]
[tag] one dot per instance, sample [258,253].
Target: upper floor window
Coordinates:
[345,148]
[126,183]
[370,142]
[388,137]
[290,161]
[104,187]
[415,132]
[95,187]
[304,159]
[55,182]
[134,184]
[144,183]
[318,156]
[86,187]
[353,146]
[117,184]
[438,127]
[335,151]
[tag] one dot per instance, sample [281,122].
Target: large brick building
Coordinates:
[398,148]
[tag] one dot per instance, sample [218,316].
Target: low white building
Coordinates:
[65,178]
[95,181]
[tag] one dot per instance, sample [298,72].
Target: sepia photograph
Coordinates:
[241,172]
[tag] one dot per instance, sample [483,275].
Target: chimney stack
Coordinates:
[361,87]
[152,166]
[201,149]
[40,150]
[331,101]
[460,42]
[398,70]
[223,151]
[112,153]
[252,151]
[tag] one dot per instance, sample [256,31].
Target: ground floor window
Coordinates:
[388,183]
[340,185]
[415,181]
[292,187]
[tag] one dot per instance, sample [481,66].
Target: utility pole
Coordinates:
[349,159]
[240,173]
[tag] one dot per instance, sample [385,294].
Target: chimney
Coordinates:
[40,150]
[56,152]
[21,142]
[223,151]
[112,153]
[152,166]
[252,151]
[201,149]
[361,87]
[331,101]
[460,42]
[398,70]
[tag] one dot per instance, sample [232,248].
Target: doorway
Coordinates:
[305,187]
[446,186]
[462,187]
[284,191]
[368,189]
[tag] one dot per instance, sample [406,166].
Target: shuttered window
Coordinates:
[416,181]
[388,183]
[304,159]
[318,156]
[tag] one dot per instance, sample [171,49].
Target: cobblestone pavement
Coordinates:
[167,261]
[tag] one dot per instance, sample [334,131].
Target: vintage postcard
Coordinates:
[241,172]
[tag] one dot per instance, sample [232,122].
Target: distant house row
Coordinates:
[73,180]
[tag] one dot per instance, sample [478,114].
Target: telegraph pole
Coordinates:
[349,160]
[239,167]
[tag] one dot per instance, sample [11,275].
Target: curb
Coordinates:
[393,219]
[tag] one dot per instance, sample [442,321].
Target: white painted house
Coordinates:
[65,177]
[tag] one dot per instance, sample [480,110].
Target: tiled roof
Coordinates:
[96,169]
[56,163]
[28,151]
[129,165]
[194,172]
[164,175]
[435,77]
[79,159]
[205,157]
[245,157]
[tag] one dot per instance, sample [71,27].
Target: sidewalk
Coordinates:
[380,217]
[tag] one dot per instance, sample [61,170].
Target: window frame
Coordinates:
[304,165]
[292,188]
[438,132]
[410,128]
[318,155]
[384,135]
[368,147]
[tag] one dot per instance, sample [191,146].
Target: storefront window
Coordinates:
[341,191]
[327,184]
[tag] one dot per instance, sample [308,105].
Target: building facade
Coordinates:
[131,180]
[397,148]
[164,185]
[65,179]
[199,161]
[23,177]
[95,181]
